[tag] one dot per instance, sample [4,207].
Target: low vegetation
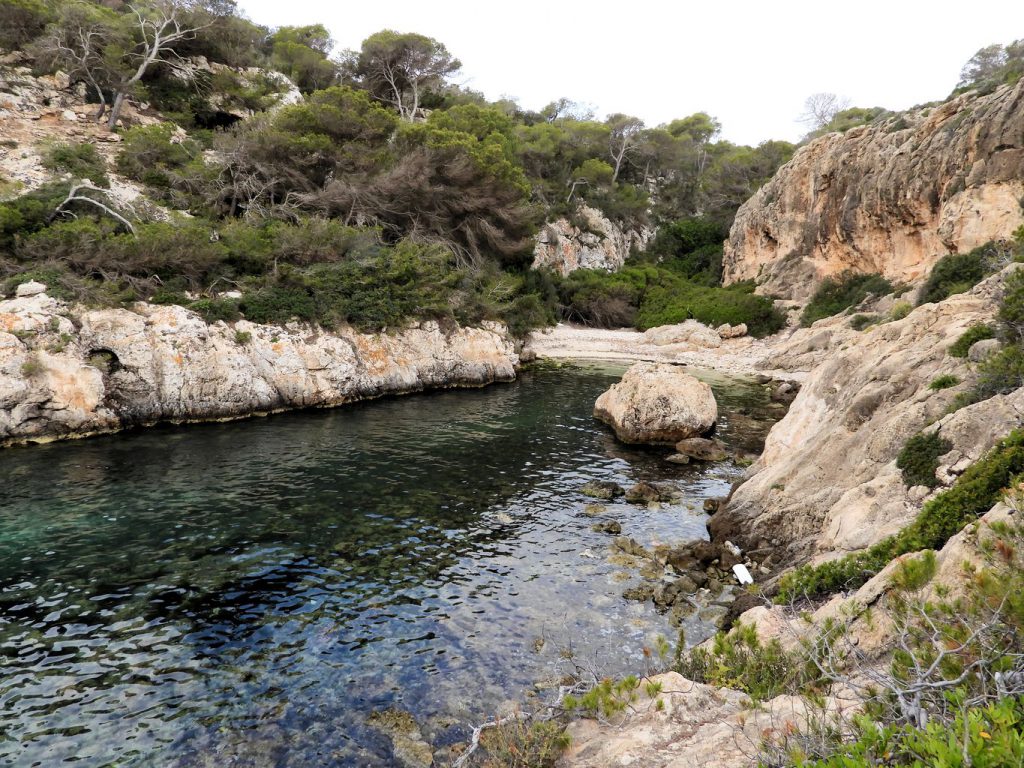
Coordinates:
[959,272]
[973,494]
[740,660]
[919,458]
[945,381]
[835,295]
[975,333]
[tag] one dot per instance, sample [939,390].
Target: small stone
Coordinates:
[640,593]
[678,458]
[630,546]
[702,449]
[69,116]
[712,505]
[31,288]
[602,489]
[610,526]
[981,350]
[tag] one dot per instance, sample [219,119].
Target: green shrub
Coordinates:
[242,337]
[1000,373]
[962,345]
[900,310]
[81,161]
[32,367]
[153,155]
[920,458]
[991,736]
[692,248]
[648,296]
[973,494]
[21,21]
[518,743]
[860,322]
[739,660]
[213,310]
[945,381]
[837,294]
[1011,308]
[954,273]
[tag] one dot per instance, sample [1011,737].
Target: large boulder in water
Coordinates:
[657,403]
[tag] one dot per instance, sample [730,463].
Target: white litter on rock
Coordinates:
[742,574]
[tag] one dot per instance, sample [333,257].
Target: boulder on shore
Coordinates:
[657,403]
[686,332]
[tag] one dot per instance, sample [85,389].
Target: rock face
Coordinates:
[827,482]
[657,403]
[695,726]
[891,197]
[601,244]
[114,368]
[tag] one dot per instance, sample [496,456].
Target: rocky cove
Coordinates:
[339,568]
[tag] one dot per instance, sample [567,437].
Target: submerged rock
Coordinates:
[630,546]
[609,526]
[647,493]
[657,403]
[602,489]
[702,449]
[410,748]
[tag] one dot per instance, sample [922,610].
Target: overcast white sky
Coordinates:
[749,63]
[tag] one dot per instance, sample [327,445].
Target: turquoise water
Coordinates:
[246,593]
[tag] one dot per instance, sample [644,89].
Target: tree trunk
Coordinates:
[115,110]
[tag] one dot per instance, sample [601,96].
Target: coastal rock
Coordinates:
[645,493]
[657,403]
[702,449]
[727,331]
[609,526]
[827,481]
[891,197]
[31,288]
[694,726]
[981,350]
[686,332]
[410,748]
[592,242]
[606,490]
[117,368]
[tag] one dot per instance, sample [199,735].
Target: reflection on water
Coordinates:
[247,593]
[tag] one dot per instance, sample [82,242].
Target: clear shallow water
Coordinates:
[247,593]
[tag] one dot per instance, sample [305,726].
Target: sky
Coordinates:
[750,64]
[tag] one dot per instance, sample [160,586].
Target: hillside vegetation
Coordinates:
[386,193]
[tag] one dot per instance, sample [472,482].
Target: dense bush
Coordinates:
[648,296]
[691,248]
[955,273]
[991,736]
[837,294]
[920,458]
[741,661]
[81,161]
[945,381]
[975,333]
[974,493]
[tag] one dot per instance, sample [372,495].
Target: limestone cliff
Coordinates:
[600,244]
[827,482]
[890,197]
[65,373]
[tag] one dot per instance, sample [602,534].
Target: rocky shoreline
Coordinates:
[68,372]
